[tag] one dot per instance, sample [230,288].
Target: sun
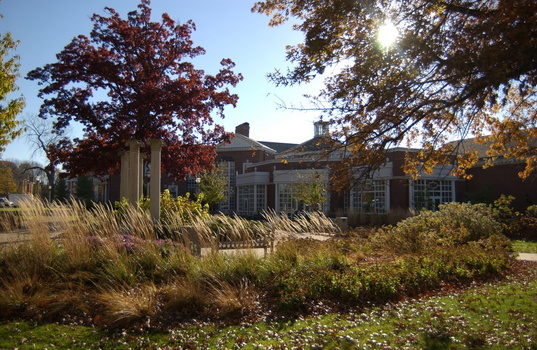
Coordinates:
[387,34]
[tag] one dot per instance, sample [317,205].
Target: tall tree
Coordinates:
[134,79]
[9,109]
[84,189]
[25,173]
[457,68]
[43,139]
[61,192]
[7,183]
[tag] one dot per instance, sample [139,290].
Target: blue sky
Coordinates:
[226,29]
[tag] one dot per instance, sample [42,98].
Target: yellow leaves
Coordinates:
[531,166]
[7,183]
[465,161]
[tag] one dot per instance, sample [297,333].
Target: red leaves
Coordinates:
[132,78]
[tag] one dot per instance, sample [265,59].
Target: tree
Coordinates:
[84,189]
[61,192]
[458,68]
[134,79]
[7,183]
[212,186]
[309,190]
[43,138]
[9,109]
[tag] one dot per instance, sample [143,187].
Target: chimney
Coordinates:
[243,129]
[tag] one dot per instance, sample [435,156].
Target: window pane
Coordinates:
[429,194]
[370,197]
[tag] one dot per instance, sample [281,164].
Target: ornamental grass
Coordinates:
[118,269]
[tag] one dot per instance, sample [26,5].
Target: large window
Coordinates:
[370,197]
[192,184]
[429,194]
[228,173]
[261,198]
[251,199]
[286,203]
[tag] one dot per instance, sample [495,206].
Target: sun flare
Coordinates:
[387,34]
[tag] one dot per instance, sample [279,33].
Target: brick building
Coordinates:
[266,172]
[261,175]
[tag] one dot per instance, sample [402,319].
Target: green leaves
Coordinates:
[9,109]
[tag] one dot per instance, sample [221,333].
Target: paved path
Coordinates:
[527,256]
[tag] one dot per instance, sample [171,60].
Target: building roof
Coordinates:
[243,143]
[482,148]
[279,147]
[315,145]
[471,145]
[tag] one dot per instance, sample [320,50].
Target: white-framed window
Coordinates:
[228,173]
[286,203]
[429,194]
[192,184]
[370,197]
[261,198]
[251,199]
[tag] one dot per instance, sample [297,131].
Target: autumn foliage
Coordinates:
[134,79]
[457,69]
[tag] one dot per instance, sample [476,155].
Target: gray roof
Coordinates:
[278,146]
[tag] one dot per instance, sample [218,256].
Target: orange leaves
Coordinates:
[458,70]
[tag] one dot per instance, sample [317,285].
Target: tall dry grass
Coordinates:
[71,259]
[311,222]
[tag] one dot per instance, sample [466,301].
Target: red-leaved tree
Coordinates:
[134,79]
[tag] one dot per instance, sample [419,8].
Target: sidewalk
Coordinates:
[527,256]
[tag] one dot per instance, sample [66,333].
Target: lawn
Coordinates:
[520,246]
[500,315]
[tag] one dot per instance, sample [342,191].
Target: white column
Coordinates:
[134,171]
[141,175]
[154,190]
[124,175]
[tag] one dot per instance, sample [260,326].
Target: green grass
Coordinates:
[9,209]
[493,316]
[525,246]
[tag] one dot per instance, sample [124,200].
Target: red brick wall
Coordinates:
[399,196]
[488,184]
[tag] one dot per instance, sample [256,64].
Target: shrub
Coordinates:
[453,224]
[531,211]
[185,296]
[182,206]
[524,226]
[110,268]
[122,307]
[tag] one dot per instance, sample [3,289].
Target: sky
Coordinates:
[225,29]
